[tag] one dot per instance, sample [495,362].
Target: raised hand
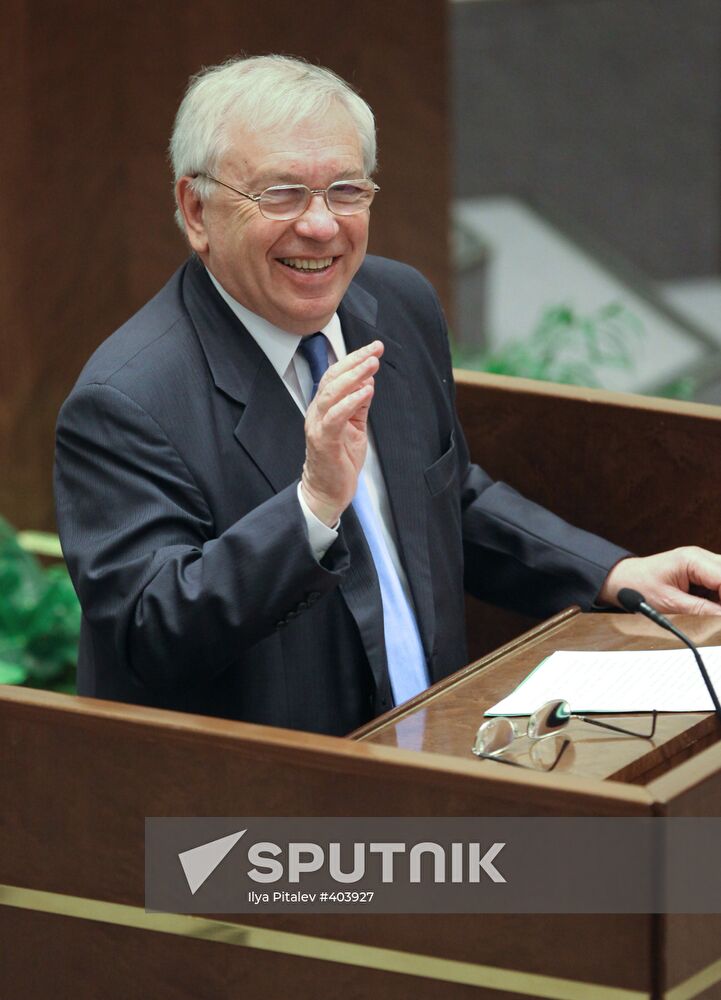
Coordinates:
[336,433]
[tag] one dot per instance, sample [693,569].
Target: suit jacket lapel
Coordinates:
[398,444]
[241,370]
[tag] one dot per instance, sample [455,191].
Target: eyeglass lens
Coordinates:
[494,736]
[497,734]
[288,201]
[549,719]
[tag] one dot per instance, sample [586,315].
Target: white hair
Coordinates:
[264,93]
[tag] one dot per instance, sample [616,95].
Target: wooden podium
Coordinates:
[78,776]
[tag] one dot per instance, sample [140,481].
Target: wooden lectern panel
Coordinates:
[79,777]
[82,775]
[445,720]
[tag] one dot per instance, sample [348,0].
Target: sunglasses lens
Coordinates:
[494,736]
[549,719]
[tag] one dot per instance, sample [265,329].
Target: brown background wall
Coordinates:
[85,193]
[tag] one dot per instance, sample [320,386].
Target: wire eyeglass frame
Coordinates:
[368,187]
[500,732]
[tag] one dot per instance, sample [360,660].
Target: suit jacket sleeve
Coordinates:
[516,553]
[138,536]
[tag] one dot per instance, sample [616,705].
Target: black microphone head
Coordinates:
[630,600]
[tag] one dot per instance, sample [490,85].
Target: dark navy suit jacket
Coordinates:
[178,456]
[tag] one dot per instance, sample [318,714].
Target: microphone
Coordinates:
[631,600]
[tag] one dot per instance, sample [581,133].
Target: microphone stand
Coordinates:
[632,600]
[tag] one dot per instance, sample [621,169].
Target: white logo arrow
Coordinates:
[199,863]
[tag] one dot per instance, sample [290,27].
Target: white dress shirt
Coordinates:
[281,349]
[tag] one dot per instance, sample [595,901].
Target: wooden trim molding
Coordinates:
[325,949]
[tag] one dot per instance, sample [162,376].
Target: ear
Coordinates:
[191,208]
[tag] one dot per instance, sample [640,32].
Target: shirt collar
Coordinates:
[278,345]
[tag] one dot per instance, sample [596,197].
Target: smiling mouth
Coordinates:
[307,264]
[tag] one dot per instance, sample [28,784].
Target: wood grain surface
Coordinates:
[447,722]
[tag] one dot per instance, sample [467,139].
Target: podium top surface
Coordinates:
[445,718]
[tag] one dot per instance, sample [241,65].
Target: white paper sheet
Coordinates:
[667,680]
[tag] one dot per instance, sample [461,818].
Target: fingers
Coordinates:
[665,579]
[374,349]
[688,604]
[345,377]
[351,408]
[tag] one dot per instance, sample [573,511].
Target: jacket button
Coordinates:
[281,623]
[302,606]
[313,596]
[290,615]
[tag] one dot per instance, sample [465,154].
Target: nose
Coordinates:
[317,222]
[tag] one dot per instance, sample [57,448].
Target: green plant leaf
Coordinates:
[39,617]
[564,346]
[12,673]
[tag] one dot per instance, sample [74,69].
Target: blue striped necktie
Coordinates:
[404,649]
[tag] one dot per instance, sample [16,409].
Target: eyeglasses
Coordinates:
[283,202]
[496,735]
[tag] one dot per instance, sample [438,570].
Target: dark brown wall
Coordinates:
[85,198]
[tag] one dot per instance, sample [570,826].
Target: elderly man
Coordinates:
[264,496]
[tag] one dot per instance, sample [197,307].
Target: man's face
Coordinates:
[253,257]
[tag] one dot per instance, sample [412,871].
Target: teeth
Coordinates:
[307,263]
